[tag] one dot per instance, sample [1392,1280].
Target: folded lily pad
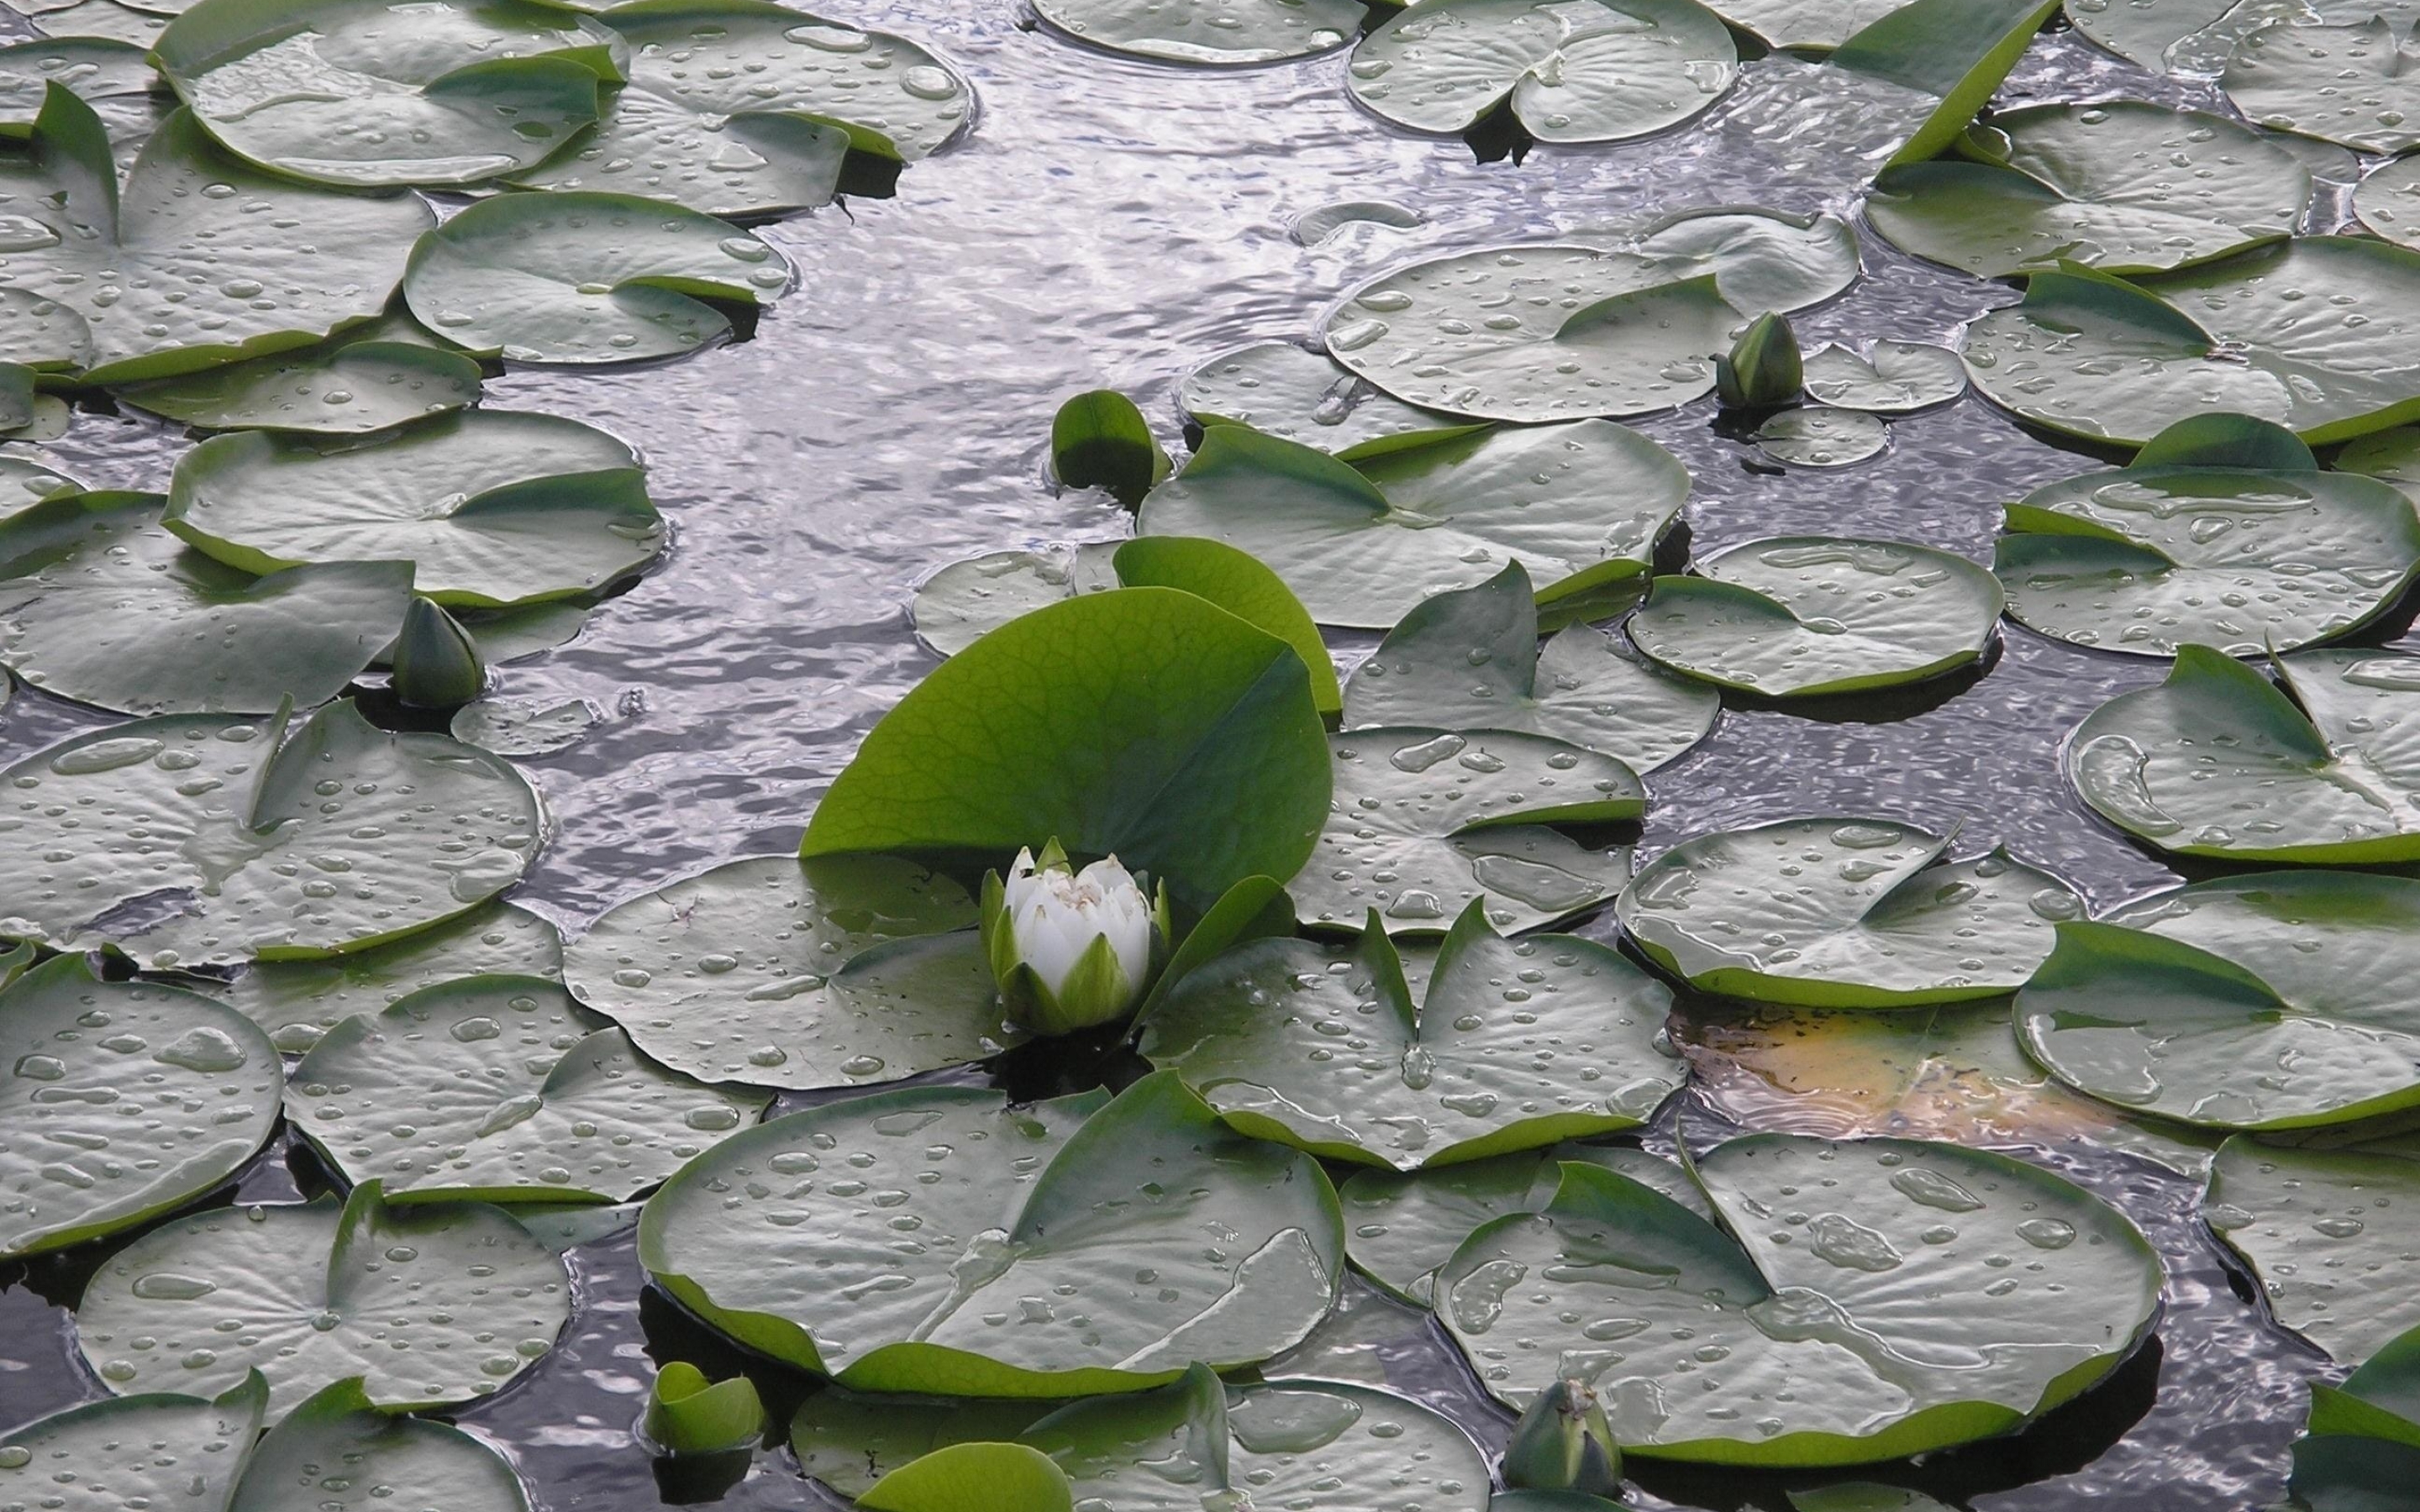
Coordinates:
[1816,1338]
[492,507]
[1816,614]
[2321,768]
[2352,85]
[2315,333]
[2324,1230]
[1209,31]
[385,93]
[1815,436]
[576,276]
[775,972]
[204,839]
[2197,36]
[1361,543]
[1761,259]
[1280,389]
[1469,659]
[1046,1213]
[363,380]
[1844,913]
[1805,26]
[79,1167]
[1892,378]
[2388,201]
[432,1305]
[1591,70]
[1426,821]
[298,1001]
[2278,1000]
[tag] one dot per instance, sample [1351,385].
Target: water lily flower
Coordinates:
[1564,1443]
[1071,949]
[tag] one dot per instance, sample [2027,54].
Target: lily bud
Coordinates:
[1071,949]
[687,1414]
[436,662]
[1563,1443]
[1763,368]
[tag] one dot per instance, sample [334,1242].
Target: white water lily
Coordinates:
[1071,949]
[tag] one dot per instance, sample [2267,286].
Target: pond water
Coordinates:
[1111,222]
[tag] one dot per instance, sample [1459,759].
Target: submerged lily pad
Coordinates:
[204,839]
[967,600]
[575,276]
[1817,437]
[349,385]
[1280,389]
[1814,614]
[2388,202]
[492,507]
[325,1290]
[297,1001]
[2278,1000]
[1208,31]
[117,1126]
[513,725]
[2352,85]
[2323,1230]
[1061,1203]
[1844,913]
[1834,1347]
[782,973]
[1893,378]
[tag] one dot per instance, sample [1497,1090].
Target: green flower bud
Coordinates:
[437,664]
[689,1415]
[1071,949]
[1563,1443]
[1763,369]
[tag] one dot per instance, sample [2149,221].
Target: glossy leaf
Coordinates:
[2351,85]
[1280,389]
[159,1448]
[1208,31]
[1892,378]
[2197,36]
[1760,259]
[2388,202]
[2322,1230]
[1805,26]
[848,1441]
[298,1001]
[1956,52]
[1242,585]
[2381,1397]
[338,1452]
[974,1477]
[110,75]
[350,385]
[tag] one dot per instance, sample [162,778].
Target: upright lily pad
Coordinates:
[492,507]
[2315,333]
[1953,53]
[1844,913]
[2321,768]
[1892,378]
[385,93]
[1816,614]
[2197,36]
[500,1089]
[1513,1044]
[1805,26]
[1209,31]
[1280,389]
[1426,821]
[199,840]
[2125,186]
[2278,1000]
[1469,659]
[2388,201]
[2325,1230]
[778,973]
[1581,507]
[340,1452]
[127,1099]
[576,276]
[158,1449]
[1046,1215]
[101,605]
[364,381]
[2352,85]
[1244,586]
[298,1001]
[432,1305]
[1817,1336]
[967,600]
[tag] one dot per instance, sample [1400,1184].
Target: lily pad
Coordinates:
[349,385]
[575,276]
[967,600]
[338,1452]
[432,1305]
[1513,1044]
[492,507]
[1892,378]
[850,1442]
[1805,26]
[513,725]
[107,20]
[2352,85]
[26,482]
[2324,1230]
[159,1449]
[297,1001]
[500,1089]
[1951,55]
[973,1477]
[1581,507]
[1816,614]
[1834,1345]
[1046,1212]
[204,839]
[386,93]
[2197,36]
[1589,71]
[2379,1400]
[1817,437]
[101,605]
[1761,259]
[2388,202]
[1244,586]
[1280,389]
[113,1128]
[1209,31]
[111,77]
[1321,222]
[2278,1000]
[2315,333]
[778,973]
[1844,913]
[1426,821]
[1469,659]
[2321,768]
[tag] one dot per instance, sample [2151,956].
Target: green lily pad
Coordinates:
[1322,1047]
[1280,389]
[1949,55]
[1817,614]
[2315,333]
[574,276]
[338,1452]
[492,507]
[2320,768]
[1805,26]
[1469,659]
[1844,913]
[512,725]
[111,77]
[2124,186]
[194,840]
[1892,378]
[158,1449]
[2352,84]
[298,1001]
[2390,456]
[1592,71]
[2278,1000]
[384,93]
[1362,543]
[778,973]
[1426,821]
[80,1167]
[2382,1399]
[1244,586]
[102,19]
[1046,1213]
[1761,259]
[101,605]
[26,482]
[326,1290]
[967,600]
[563,1227]
[847,1441]
[500,1089]
[2322,1230]
[2342,1473]
[1209,31]
[1865,1496]
[1816,437]
[1818,1339]
[352,384]
[526,630]
[1213,770]
[973,1477]
[2388,202]
[2197,36]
